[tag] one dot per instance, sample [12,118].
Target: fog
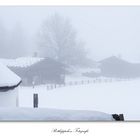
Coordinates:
[106,31]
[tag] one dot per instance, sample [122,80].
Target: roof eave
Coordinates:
[6,88]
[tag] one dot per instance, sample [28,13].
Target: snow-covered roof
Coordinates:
[20,62]
[8,78]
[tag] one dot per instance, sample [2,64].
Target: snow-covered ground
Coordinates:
[73,78]
[116,97]
[45,114]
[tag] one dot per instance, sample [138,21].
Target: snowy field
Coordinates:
[116,97]
[45,114]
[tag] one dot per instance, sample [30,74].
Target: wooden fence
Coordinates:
[83,82]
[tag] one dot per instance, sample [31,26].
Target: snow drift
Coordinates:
[43,114]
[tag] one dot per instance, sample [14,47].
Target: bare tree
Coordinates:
[58,39]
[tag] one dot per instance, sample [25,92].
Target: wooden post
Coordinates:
[55,86]
[70,83]
[35,100]
[48,87]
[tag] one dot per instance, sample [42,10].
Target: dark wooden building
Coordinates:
[43,72]
[117,68]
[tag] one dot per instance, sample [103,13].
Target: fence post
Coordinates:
[35,100]
[55,86]
[70,83]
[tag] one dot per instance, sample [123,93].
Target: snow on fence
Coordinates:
[83,82]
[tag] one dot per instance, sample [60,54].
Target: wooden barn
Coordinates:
[116,67]
[9,83]
[44,71]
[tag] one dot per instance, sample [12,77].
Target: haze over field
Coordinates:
[72,58]
[106,31]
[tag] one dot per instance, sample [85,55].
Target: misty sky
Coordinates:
[106,30]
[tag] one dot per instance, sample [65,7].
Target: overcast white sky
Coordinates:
[106,30]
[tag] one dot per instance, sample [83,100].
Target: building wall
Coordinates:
[45,71]
[9,98]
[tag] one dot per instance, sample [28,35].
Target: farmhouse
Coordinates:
[39,71]
[116,67]
[9,83]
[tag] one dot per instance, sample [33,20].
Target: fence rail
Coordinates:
[83,82]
